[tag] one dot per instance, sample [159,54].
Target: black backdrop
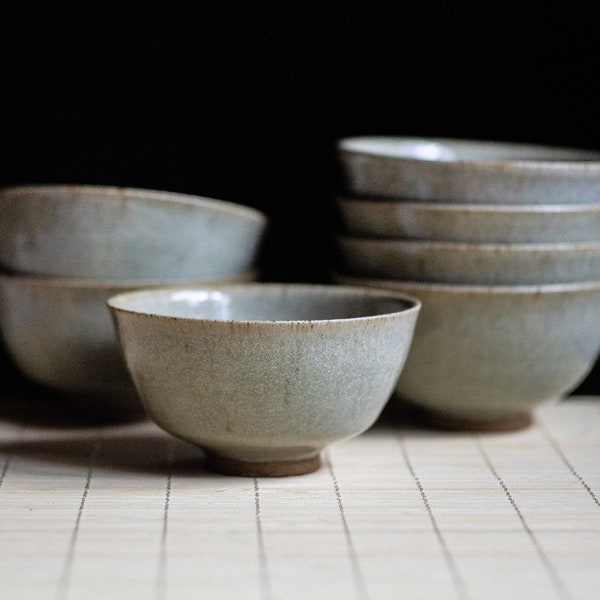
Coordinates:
[244,101]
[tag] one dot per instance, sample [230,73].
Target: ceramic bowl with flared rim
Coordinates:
[264,376]
[474,171]
[470,223]
[484,357]
[478,264]
[101,232]
[60,334]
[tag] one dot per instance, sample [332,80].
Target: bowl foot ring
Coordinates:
[272,468]
[447,422]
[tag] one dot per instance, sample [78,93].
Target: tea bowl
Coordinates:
[456,262]
[102,232]
[264,376]
[455,170]
[470,223]
[484,357]
[60,335]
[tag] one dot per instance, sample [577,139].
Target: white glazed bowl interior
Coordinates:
[455,262]
[454,170]
[471,223]
[486,353]
[265,372]
[122,233]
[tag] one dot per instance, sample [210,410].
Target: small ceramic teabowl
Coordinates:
[103,232]
[471,223]
[450,170]
[455,262]
[263,376]
[484,357]
[60,334]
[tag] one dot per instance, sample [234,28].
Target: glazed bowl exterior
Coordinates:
[492,354]
[454,170]
[100,232]
[264,376]
[59,333]
[455,262]
[471,223]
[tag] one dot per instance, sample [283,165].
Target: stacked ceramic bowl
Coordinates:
[501,243]
[64,250]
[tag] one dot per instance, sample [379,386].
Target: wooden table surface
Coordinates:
[126,511]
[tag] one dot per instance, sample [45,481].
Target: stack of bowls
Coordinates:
[501,243]
[65,249]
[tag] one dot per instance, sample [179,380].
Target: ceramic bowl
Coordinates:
[471,223]
[485,357]
[60,334]
[454,262]
[262,377]
[123,234]
[453,170]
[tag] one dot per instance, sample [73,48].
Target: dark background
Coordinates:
[244,101]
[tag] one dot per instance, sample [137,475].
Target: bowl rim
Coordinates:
[467,289]
[372,202]
[412,305]
[158,196]
[15,277]
[351,146]
[454,246]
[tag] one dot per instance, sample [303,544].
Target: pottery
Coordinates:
[484,358]
[264,376]
[124,234]
[60,335]
[471,223]
[453,170]
[454,262]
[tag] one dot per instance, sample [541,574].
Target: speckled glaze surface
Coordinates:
[454,262]
[471,223]
[123,233]
[60,334]
[264,376]
[486,355]
[452,170]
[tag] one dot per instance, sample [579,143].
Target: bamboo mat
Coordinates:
[399,512]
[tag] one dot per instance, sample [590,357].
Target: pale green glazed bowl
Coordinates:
[486,357]
[477,264]
[110,233]
[59,333]
[454,170]
[470,223]
[264,376]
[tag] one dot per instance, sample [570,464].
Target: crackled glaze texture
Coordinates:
[124,234]
[454,262]
[473,223]
[60,334]
[485,354]
[448,170]
[267,374]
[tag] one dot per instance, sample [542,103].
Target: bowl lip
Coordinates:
[372,202]
[157,196]
[466,289]
[74,283]
[412,305]
[348,146]
[453,246]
